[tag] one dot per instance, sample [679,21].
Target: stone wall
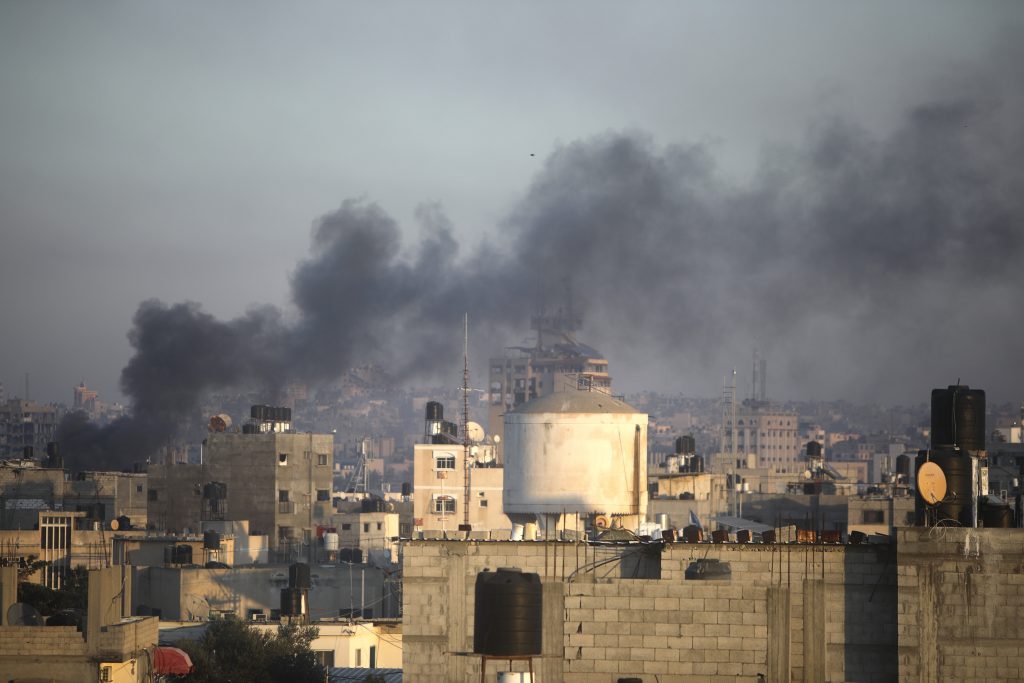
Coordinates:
[790,612]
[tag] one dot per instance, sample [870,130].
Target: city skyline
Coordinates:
[853,212]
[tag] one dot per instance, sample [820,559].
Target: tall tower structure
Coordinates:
[555,362]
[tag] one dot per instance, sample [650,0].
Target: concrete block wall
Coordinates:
[961,597]
[791,612]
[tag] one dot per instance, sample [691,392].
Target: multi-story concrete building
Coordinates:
[281,482]
[766,437]
[26,424]
[557,362]
[26,489]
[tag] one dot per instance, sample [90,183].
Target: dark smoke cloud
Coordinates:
[865,266]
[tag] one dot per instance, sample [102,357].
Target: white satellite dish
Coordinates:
[475,432]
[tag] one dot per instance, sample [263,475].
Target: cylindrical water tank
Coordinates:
[996,514]
[508,614]
[575,452]
[406,489]
[662,520]
[955,507]
[293,602]
[685,445]
[211,540]
[331,541]
[697,463]
[298,575]
[435,411]
[813,449]
[958,418]
[903,464]
[182,554]
[672,463]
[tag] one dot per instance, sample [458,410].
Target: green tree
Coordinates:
[232,651]
[74,592]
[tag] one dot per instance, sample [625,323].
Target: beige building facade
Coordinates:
[439,499]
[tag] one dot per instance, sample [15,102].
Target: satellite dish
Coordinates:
[115,525]
[24,614]
[475,432]
[931,483]
[497,438]
[601,522]
[807,474]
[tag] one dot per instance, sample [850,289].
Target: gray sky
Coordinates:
[182,151]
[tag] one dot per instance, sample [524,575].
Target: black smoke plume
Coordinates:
[866,267]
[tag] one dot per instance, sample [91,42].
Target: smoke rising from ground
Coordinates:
[865,267]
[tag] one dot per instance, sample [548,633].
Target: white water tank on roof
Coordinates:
[575,452]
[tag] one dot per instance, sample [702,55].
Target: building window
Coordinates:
[138,488]
[323,494]
[282,458]
[359,657]
[282,496]
[346,527]
[444,505]
[874,516]
[321,459]
[483,503]
[366,527]
[444,461]
[324,658]
[379,526]
[153,495]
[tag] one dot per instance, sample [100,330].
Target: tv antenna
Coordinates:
[465,420]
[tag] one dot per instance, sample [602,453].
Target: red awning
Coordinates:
[171,661]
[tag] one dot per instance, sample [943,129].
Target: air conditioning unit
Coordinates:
[259,617]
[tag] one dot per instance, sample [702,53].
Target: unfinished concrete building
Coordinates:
[556,362]
[280,481]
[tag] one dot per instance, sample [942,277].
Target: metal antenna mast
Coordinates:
[465,418]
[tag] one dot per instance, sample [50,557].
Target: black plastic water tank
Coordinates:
[813,448]
[958,418]
[406,489]
[298,575]
[995,514]
[903,464]
[435,411]
[956,467]
[211,540]
[508,613]
[686,444]
[291,602]
[697,463]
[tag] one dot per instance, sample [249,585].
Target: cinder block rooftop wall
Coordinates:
[961,604]
[790,612]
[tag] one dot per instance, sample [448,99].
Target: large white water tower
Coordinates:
[580,452]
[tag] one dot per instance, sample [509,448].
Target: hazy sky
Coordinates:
[183,151]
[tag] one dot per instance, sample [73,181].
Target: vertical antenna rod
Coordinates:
[465,416]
